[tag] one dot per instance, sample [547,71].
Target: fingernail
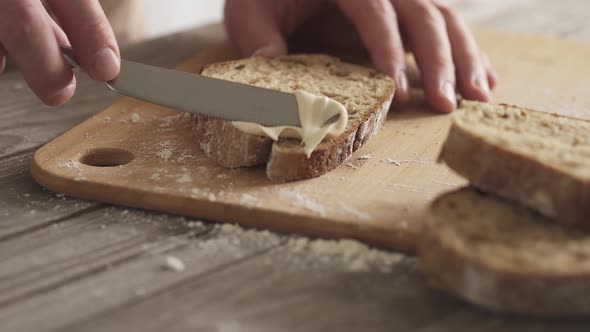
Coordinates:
[402,85]
[481,83]
[62,95]
[448,91]
[269,51]
[106,65]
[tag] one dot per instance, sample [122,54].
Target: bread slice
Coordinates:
[365,93]
[505,257]
[538,159]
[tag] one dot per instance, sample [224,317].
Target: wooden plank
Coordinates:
[24,205]
[272,292]
[40,261]
[81,269]
[25,123]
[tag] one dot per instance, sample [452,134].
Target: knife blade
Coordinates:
[202,95]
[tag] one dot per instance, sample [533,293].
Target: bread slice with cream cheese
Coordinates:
[365,93]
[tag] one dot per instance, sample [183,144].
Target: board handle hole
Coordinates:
[107,157]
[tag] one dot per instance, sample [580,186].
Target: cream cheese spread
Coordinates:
[314,111]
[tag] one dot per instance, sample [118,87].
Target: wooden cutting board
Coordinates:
[141,155]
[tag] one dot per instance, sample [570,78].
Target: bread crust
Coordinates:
[286,164]
[550,191]
[229,147]
[285,161]
[513,291]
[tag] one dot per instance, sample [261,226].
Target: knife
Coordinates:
[202,95]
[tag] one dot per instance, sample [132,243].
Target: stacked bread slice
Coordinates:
[519,247]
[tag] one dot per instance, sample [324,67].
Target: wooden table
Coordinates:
[72,265]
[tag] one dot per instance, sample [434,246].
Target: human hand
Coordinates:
[31,37]
[444,48]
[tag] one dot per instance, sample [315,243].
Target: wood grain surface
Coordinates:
[378,196]
[234,279]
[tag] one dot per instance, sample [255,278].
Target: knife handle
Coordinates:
[69,56]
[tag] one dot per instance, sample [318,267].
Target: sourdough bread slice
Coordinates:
[505,257]
[538,159]
[365,93]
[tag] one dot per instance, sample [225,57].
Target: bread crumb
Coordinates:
[135,118]
[299,200]
[173,263]
[107,119]
[355,256]
[70,163]
[183,156]
[168,121]
[248,199]
[391,161]
[407,161]
[364,216]
[365,157]
[165,150]
[351,165]
[195,224]
[185,178]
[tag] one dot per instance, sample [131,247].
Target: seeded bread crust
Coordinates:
[556,185]
[285,160]
[504,257]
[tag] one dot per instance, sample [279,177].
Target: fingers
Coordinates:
[471,73]
[430,43]
[2,59]
[91,36]
[376,23]
[26,33]
[254,28]
[60,35]
[491,73]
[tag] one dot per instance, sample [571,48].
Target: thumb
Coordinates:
[253,28]
[271,50]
